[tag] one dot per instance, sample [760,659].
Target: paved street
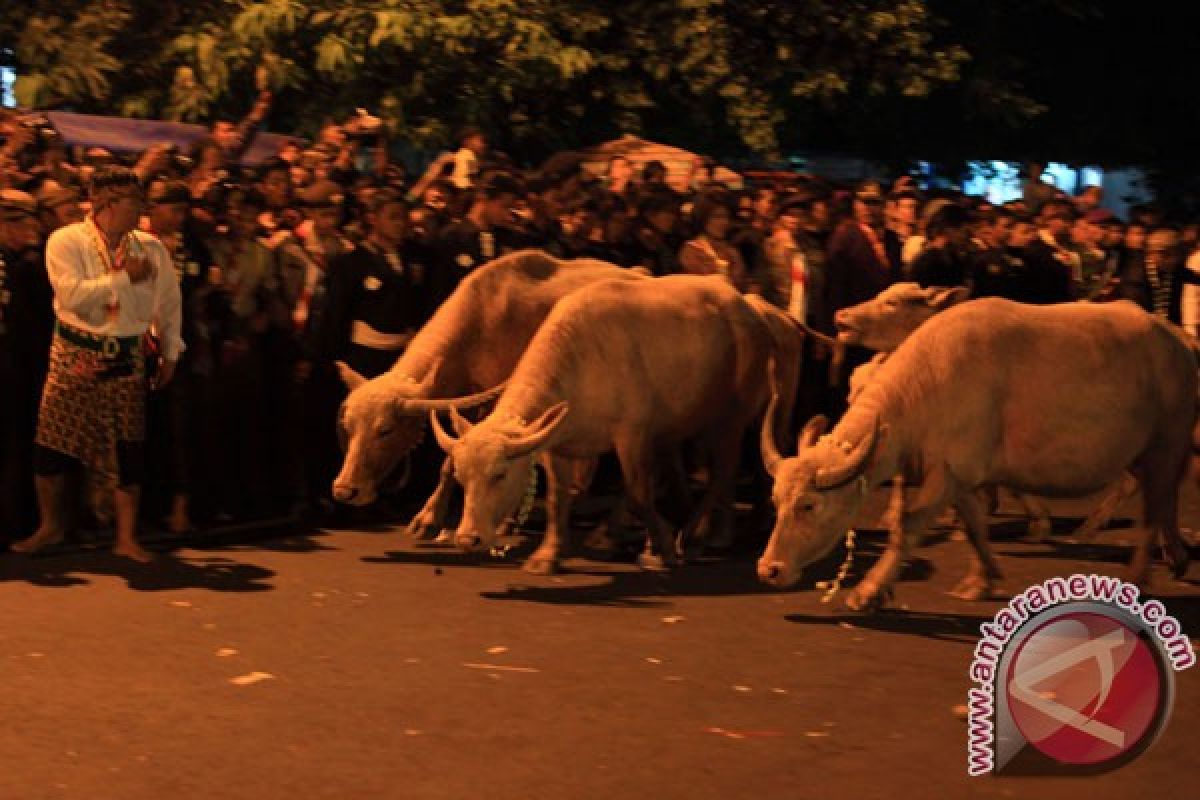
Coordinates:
[357,664]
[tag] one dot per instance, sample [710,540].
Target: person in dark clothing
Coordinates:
[1024,269]
[26,328]
[1153,280]
[174,416]
[944,260]
[654,240]
[375,298]
[477,238]
[858,270]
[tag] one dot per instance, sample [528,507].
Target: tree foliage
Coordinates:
[538,74]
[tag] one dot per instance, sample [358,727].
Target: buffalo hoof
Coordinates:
[422,528]
[972,588]
[1039,530]
[1176,556]
[444,536]
[600,540]
[541,565]
[868,600]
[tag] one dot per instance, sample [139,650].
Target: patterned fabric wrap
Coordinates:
[90,403]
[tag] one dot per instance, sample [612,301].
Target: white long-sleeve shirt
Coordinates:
[85,289]
[1190,316]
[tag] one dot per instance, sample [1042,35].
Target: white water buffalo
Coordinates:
[884,322]
[638,367]
[470,345]
[1053,400]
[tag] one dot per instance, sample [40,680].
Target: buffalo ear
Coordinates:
[943,298]
[538,433]
[349,377]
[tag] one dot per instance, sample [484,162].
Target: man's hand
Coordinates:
[166,371]
[139,267]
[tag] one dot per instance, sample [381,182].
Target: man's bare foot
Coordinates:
[134,552]
[42,538]
[178,522]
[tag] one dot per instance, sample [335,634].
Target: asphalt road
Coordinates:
[357,664]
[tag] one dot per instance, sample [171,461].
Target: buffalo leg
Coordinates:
[711,522]
[1040,526]
[1160,479]
[1112,500]
[561,489]
[984,571]
[429,521]
[637,467]
[902,539]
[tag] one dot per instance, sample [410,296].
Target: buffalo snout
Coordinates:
[774,573]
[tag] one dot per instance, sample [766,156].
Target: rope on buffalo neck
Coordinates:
[844,570]
[527,501]
[523,511]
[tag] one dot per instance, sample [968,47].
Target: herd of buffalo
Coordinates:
[536,360]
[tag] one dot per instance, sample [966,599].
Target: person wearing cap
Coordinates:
[858,268]
[26,325]
[59,206]
[241,307]
[173,414]
[304,257]
[112,284]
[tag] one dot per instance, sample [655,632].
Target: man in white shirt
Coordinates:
[1190,299]
[466,160]
[112,285]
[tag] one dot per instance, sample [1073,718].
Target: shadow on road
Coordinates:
[627,586]
[166,572]
[959,628]
[435,556]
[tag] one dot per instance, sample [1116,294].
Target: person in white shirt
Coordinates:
[1190,300]
[466,160]
[112,285]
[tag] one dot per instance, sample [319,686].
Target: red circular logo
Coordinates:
[1084,688]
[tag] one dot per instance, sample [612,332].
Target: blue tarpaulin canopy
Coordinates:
[121,135]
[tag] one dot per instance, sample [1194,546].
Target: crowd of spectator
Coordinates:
[331,253]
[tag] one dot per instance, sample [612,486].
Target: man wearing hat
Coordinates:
[305,256]
[26,322]
[111,284]
[173,414]
[59,206]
